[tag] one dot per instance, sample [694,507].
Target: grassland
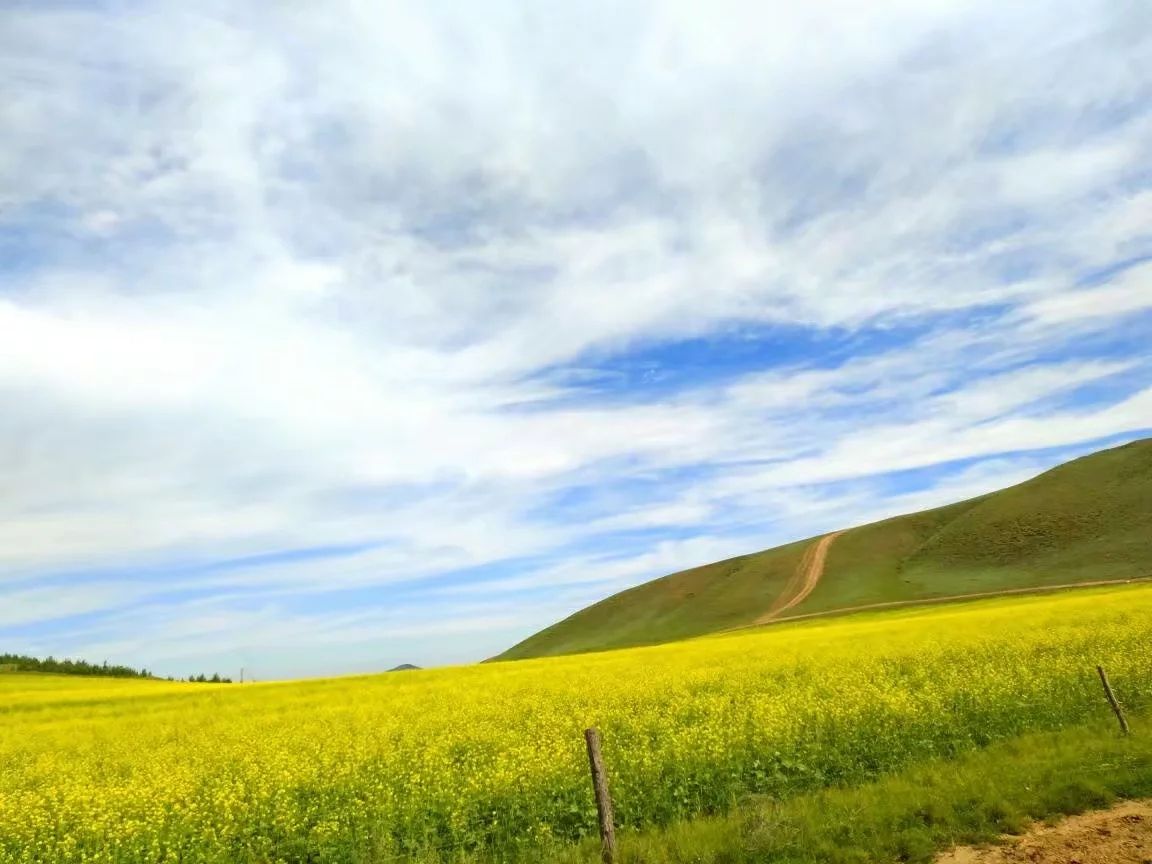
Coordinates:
[1088,520]
[913,814]
[486,762]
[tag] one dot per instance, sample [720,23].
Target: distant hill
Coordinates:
[1088,520]
[404,667]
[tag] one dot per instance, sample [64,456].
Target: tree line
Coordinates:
[24,663]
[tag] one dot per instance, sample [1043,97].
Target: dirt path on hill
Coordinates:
[1122,835]
[803,580]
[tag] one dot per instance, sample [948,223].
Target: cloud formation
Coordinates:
[385,332]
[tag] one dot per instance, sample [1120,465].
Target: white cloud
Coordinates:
[1130,292]
[323,276]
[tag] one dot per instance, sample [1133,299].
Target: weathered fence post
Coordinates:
[1112,700]
[603,799]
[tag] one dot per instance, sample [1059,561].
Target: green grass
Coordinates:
[915,813]
[691,603]
[1084,521]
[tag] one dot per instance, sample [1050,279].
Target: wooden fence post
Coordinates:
[1112,700]
[603,799]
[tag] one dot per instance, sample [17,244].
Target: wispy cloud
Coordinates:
[401,321]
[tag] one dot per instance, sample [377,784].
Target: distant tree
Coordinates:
[24,663]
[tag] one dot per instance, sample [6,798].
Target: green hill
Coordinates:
[1088,520]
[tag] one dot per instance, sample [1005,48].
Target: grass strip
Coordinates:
[915,813]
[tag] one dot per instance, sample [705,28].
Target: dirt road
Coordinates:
[1122,835]
[807,575]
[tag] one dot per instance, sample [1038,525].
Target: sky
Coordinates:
[340,335]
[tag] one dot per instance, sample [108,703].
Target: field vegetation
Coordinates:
[486,762]
[913,814]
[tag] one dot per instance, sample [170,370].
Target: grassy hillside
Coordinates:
[1087,520]
[713,597]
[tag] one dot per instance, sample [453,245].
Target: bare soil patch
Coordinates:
[807,574]
[1122,835]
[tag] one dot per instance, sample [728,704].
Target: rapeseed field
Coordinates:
[488,760]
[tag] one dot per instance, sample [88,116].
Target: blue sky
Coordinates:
[339,336]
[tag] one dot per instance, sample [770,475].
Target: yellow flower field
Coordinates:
[490,757]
